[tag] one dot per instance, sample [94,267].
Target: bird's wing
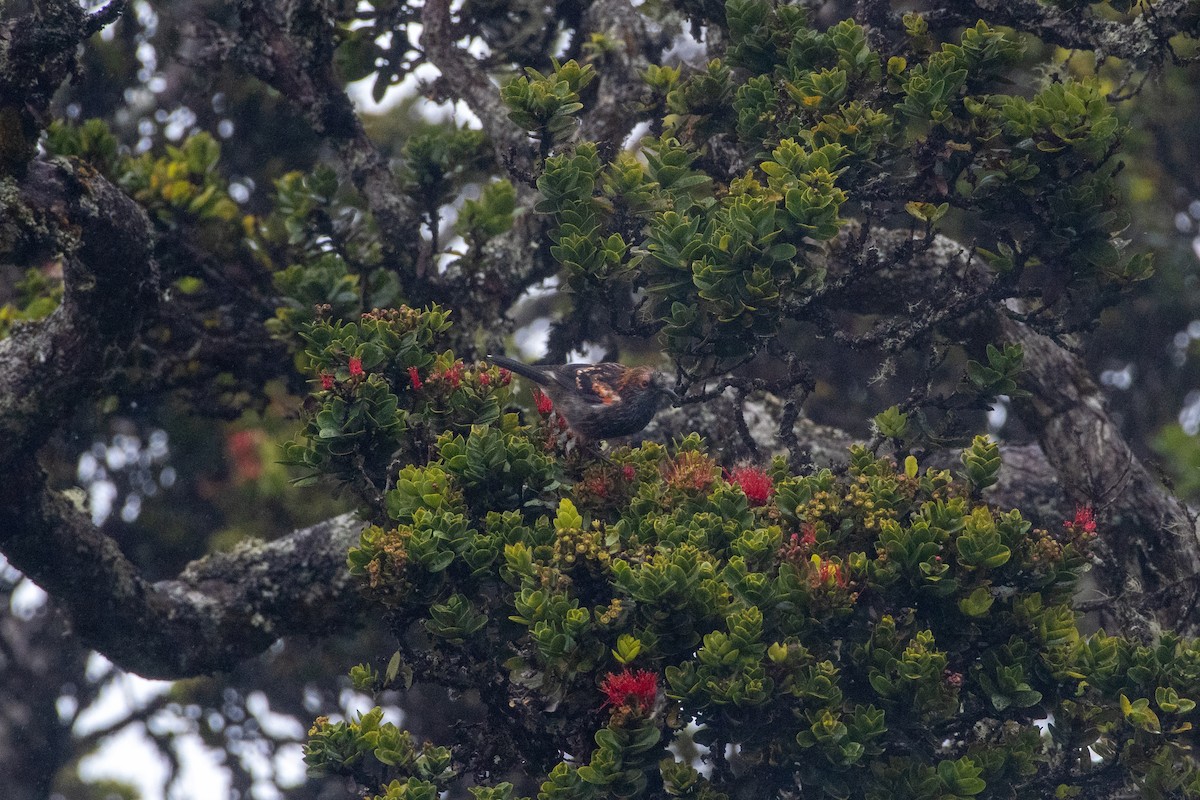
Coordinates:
[596,384]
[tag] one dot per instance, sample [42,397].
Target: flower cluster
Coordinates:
[354,370]
[827,574]
[542,402]
[692,472]
[1083,523]
[797,547]
[244,449]
[603,483]
[754,482]
[451,375]
[630,691]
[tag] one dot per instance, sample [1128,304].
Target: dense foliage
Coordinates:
[266,308]
[877,633]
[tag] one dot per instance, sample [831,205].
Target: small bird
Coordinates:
[598,401]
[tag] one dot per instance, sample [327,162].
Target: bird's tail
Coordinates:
[524,370]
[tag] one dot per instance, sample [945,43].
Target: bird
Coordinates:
[598,401]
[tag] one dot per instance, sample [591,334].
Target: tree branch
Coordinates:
[67,210]
[37,53]
[463,78]
[288,45]
[1144,40]
[220,609]
[1150,537]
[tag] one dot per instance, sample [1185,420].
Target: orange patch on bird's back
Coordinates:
[607,394]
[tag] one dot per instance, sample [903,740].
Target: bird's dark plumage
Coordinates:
[598,401]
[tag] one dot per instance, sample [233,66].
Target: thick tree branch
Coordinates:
[69,211]
[465,79]
[221,609]
[289,45]
[1151,537]
[1144,40]
[37,53]
[635,40]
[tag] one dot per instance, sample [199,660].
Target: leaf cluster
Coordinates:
[875,633]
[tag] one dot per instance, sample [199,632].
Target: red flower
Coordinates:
[831,574]
[756,484]
[485,379]
[1084,522]
[629,472]
[453,374]
[244,449]
[414,378]
[542,400]
[630,690]
[356,370]
[810,534]
[505,377]
[326,381]
[594,485]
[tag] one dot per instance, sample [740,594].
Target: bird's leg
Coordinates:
[594,447]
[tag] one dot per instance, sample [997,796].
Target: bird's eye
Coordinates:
[644,381]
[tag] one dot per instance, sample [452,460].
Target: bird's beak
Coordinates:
[671,394]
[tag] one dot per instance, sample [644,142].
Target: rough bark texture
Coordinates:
[1150,558]
[221,609]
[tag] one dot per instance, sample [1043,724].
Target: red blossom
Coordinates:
[595,486]
[542,400]
[831,571]
[630,690]
[414,378]
[629,472]
[356,370]
[799,545]
[326,381]
[830,574]
[485,379]
[1085,520]
[451,375]
[505,377]
[245,454]
[756,484]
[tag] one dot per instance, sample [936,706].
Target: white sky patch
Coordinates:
[26,599]
[533,340]
[360,92]
[686,49]
[998,414]
[588,353]
[635,136]
[128,757]
[278,726]
[117,700]
[131,757]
